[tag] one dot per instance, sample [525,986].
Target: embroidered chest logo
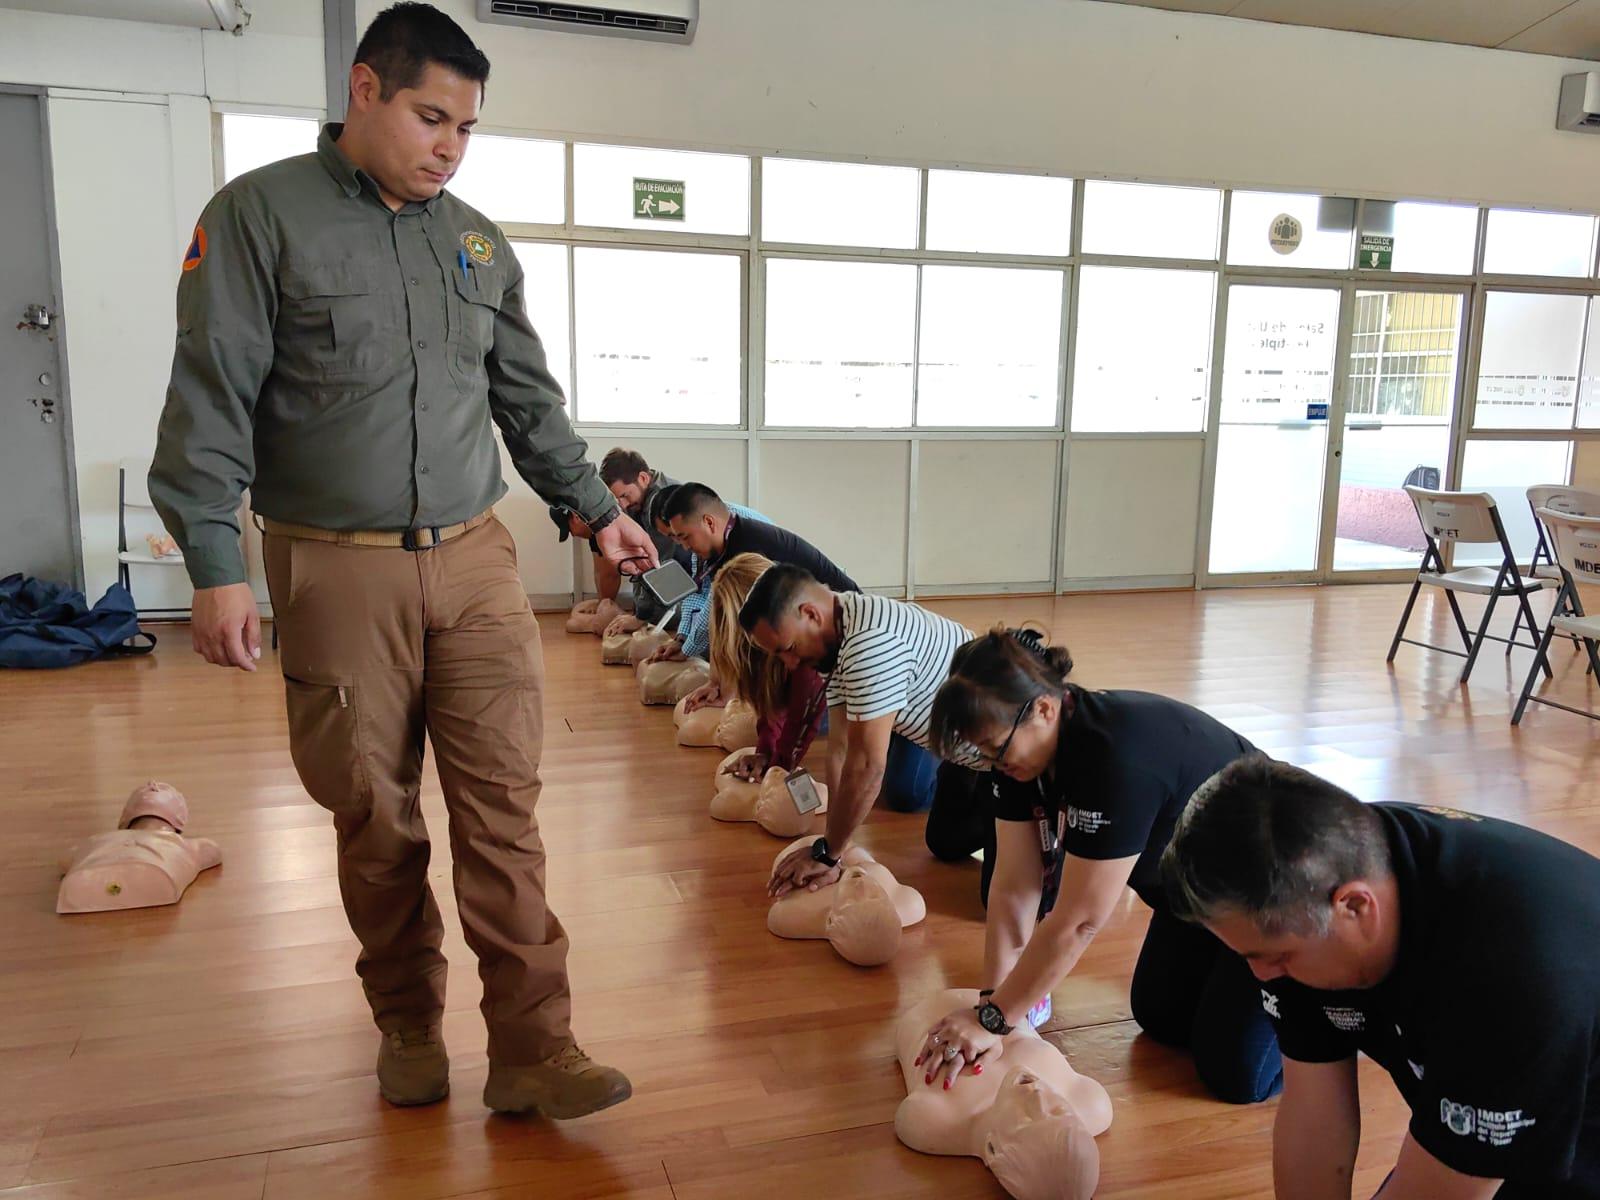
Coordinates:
[1270,1003]
[1455,814]
[1084,821]
[479,248]
[1492,1128]
[1349,1020]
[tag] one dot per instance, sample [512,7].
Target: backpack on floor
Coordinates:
[50,625]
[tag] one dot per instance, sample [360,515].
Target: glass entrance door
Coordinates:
[1398,400]
[1272,433]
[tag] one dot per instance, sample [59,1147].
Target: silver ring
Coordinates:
[950,1052]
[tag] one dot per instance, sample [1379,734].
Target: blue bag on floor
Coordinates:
[51,625]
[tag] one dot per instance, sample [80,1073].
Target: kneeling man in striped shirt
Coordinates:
[885,660]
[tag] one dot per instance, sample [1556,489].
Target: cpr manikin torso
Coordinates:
[738,725]
[592,616]
[729,727]
[146,862]
[1030,1117]
[861,915]
[767,803]
[645,642]
[697,728]
[670,682]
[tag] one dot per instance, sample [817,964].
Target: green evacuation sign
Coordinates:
[658,199]
[1377,252]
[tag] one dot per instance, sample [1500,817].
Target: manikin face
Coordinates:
[631,494]
[797,639]
[1343,958]
[863,925]
[1035,1144]
[413,143]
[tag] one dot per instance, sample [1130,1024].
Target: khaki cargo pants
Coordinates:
[381,646]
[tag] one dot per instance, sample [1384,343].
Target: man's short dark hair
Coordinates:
[621,466]
[775,595]
[659,500]
[1273,843]
[689,500]
[404,38]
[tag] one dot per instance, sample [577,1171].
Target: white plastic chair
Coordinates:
[1575,542]
[1558,498]
[1449,518]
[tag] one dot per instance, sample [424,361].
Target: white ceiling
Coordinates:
[1567,28]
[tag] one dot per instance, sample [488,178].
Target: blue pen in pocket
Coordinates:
[461,257]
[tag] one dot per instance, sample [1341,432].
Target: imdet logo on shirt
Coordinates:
[1084,821]
[1492,1127]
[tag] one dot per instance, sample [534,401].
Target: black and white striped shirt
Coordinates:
[893,657]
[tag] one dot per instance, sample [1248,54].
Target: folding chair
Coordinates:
[1562,499]
[1575,541]
[1449,518]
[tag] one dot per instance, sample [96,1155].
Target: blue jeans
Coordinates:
[909,776]
[1190,990]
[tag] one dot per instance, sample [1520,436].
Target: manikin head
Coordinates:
[415,88]
[1290,872]
[628,476]
[1035,1144]
[155,801]
[1006,697]
[698,520]
[791,617]
[863,925]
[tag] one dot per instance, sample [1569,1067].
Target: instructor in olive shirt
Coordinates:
[346,331]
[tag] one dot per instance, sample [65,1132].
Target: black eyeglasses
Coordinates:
[999,756]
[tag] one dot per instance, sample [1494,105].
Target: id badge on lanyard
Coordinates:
[1051,857]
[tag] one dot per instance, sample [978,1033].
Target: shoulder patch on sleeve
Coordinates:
[196,253]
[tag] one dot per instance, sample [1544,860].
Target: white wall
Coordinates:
[1070,85]
[130,116]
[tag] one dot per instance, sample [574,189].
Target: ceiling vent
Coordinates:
[652,20]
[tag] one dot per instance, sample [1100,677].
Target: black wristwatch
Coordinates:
[819,853]
[992,1019]
[604,519]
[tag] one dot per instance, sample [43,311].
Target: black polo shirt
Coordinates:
[1126,764]
[781,546]
[1488,1021]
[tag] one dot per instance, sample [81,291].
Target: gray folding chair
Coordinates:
[1575,543]
[1469,518]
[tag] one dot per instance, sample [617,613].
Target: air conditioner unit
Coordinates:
[1579,109]
[653,20]
[229,16]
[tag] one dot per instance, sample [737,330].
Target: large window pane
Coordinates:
[1150,220]
[838,204]
[1589,385]
[1283,229]
[545,293]
[1506,470]
[1437,239]
[716,189]
[990,346]
[658,336]
[250,141]
[1143,356]
[999,214]
[514,179]
[839,343]
[1538,243]
[1528,371]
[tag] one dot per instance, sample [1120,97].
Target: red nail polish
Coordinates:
[978,1070]
[947,1085]
[927,1079]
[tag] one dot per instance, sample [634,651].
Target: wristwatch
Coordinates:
[992,1019]
[598,523]
[819,853]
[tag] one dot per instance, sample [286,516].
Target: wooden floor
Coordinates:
[221,1049]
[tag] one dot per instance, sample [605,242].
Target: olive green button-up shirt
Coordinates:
[345,362]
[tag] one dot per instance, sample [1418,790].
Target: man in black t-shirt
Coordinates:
[704,525]
[1456,951]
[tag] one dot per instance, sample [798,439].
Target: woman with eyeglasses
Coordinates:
[1086,787]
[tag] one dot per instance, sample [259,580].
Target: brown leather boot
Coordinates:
[565,1085]
[413,1067]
